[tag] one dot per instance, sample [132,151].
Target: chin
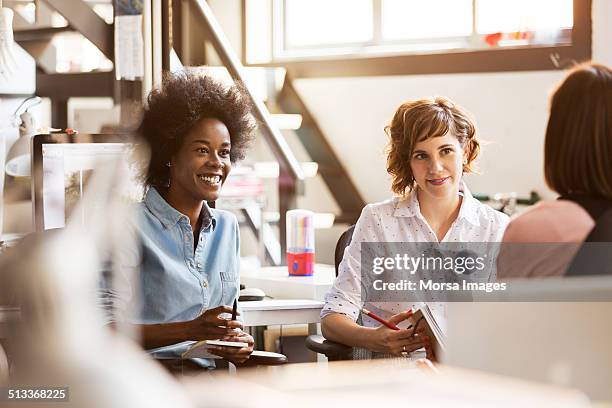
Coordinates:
[210,197]
[441,191]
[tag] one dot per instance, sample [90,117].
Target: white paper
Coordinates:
[129,51]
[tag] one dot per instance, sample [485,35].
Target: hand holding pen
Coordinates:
[233,354]
[396,341]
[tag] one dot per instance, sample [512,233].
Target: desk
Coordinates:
[276,282]
[377,383]
[286,311]
[283,311]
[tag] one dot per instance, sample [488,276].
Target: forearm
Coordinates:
[162,334]
[341,329]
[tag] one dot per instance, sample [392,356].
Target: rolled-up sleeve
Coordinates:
[345,294]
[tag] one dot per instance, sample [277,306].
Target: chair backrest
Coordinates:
[343,242]
[594,256]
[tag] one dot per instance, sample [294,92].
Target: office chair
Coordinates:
[319,344]
[593,258]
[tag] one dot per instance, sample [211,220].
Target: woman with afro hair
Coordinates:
[196,128]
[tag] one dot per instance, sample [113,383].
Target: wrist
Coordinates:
[368,338]
[183,331]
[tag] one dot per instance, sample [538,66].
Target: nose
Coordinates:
[435,165]
[214,161]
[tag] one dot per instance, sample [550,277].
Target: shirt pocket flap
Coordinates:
[228,277]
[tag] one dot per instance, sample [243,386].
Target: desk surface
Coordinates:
[276,282]
[281,304]
[281,311]
[379,383]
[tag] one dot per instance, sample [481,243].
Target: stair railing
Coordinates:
[291,177]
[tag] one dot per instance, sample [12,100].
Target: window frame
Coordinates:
[508,58]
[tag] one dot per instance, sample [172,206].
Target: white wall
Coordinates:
[511,111]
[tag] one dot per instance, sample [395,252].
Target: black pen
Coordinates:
[234,309]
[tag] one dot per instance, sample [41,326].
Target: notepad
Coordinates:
[200,349]
[432,328]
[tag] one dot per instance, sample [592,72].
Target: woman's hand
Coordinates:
[209,326]
[398,342]
[234,354]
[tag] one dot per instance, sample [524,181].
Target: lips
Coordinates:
[438,181]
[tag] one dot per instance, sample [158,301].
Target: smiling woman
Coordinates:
[195,129]
[432,142]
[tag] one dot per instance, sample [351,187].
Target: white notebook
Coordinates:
[200,349]
[433,329]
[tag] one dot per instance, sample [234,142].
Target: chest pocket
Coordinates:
[229,287]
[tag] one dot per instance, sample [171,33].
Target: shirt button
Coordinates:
[205,284]
[199,265]
[201,238]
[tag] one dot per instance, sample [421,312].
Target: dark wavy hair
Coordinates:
[419,120]
[174,109]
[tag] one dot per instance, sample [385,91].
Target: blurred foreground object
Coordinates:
[379,383]
[8,62]
[61,339]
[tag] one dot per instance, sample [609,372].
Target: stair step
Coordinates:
[39,33]
[271,169]
[287,121]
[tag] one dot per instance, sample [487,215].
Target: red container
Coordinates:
[300,264]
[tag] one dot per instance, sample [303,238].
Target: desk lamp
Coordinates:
[18,157]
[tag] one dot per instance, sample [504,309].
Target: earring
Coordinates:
[168,164]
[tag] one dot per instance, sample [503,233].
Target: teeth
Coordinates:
[211,179]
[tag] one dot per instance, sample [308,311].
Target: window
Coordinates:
[303,30]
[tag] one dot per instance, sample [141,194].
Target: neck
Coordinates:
[439,211]
[184,204]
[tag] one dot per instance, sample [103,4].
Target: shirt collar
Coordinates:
[169,216]
[409,206]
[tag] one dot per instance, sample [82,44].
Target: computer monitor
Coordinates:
[565,338]
[61,166]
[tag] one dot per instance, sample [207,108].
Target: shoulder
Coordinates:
[378,212]
[225,221]
[552,221]
[224,216]
[382,207]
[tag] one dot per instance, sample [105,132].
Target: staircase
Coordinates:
[283,115]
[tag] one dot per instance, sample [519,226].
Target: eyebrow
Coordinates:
[206,142]
[439,148]
[445,146]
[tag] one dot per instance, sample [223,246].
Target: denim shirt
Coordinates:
[176,283]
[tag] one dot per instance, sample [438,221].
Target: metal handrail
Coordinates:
[287,161]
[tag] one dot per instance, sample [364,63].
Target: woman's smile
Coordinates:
[211,180]
[438,181]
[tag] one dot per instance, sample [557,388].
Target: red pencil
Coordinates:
[380,319]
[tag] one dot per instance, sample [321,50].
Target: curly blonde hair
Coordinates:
[415,121]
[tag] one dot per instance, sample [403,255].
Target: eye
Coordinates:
[202,150]
[447,150]
[224,153]
[420,156]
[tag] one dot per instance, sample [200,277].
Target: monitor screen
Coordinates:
[62,168]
